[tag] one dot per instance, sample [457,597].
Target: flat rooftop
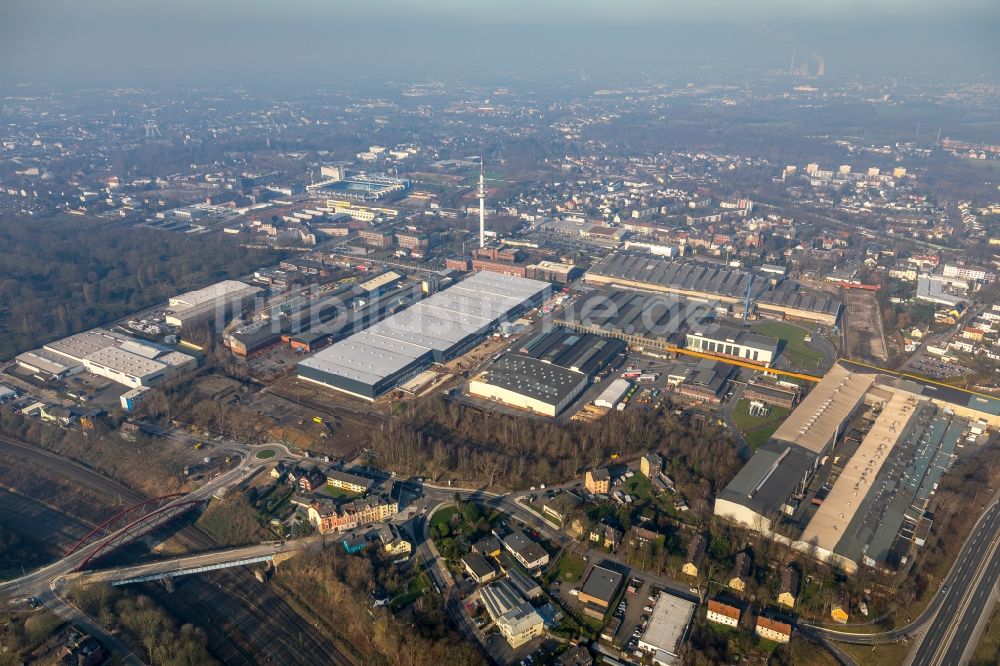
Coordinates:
[225,289]
[830,522]
[125,362]
[530,377]
[668,623]
[736,336]
[435,325]
[602,584]
[83,344]
[822,413]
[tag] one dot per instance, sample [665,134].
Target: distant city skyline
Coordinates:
[108,41]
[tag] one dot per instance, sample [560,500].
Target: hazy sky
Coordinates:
[140,41]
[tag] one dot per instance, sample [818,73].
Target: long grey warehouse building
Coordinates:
[714,281]
[435,330]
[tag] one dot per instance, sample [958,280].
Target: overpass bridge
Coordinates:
[271,551]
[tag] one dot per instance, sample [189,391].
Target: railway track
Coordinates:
[261,614]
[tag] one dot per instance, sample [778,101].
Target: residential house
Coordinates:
[311,480]
[578,655]
[607,536]
[560,505]
[695,553]
[723,613]
[640,536]
[773,629]
[597,481]
[326,516]
[478,568]
[789,590]
[392,542]
[488,546]
[57,414]
[83,651]
[651,465]
[740,575]
[346,481]
[525,551]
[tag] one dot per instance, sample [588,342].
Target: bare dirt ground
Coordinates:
[864,337]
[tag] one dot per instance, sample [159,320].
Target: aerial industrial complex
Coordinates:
[127,361]
[547,372]
[849,475]
[445,325]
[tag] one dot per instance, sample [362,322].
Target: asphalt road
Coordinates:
[976,557]
[951,631]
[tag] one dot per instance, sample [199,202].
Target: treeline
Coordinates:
[58,277]
[146,627]
[148,469]
[337,588]
[446,440]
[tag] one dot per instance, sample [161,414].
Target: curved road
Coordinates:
[971,577]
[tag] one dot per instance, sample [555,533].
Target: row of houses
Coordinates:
[767,626]
[311,479]
[328,516]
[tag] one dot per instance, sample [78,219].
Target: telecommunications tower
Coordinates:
[482,205]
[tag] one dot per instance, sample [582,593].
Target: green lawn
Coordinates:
[757,430]
[265,454]
[340,493]
[415,589]
[568,569]
[639,487]
[795,349]
[443,517]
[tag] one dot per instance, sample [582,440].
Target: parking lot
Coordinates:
[935,368]
[638,606]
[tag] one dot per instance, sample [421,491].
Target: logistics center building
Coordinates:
[436,330]
[125,360]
